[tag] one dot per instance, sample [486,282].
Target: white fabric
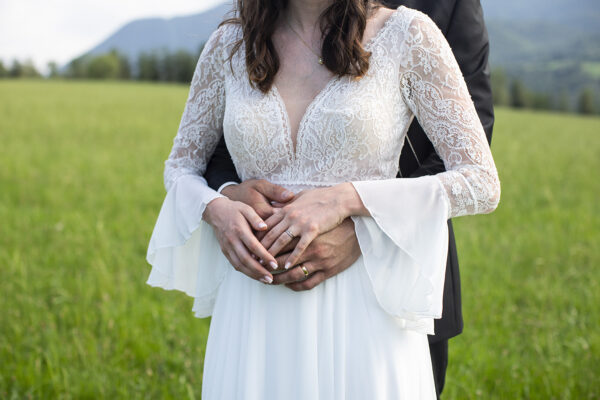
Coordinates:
[267,341]
[223,186]
[405,246]
[182,245]
[330,343]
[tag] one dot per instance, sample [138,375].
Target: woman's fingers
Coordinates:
[235,260]
[258,250]
[288,248]
[273,220]
[249,266]
[305,240]
[252,243]
[282,241]
[233,222]
[253,218]
[274,233]
[231,252]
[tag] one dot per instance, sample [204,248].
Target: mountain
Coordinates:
[550,22]
[583,15]
[180,33]
[552,45]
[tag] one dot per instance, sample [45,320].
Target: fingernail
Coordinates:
[273,265]
[288,265]
[262,225]
[261,261]
[266,279]
[287,194]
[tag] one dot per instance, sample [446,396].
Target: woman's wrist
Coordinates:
[208,214]
[349,201]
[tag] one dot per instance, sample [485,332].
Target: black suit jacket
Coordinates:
[462,23]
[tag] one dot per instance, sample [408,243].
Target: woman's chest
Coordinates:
[298,83]
[338,110]
[350,129]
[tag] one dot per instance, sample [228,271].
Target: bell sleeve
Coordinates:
[183,250]
[405,241]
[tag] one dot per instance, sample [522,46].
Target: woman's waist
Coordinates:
[300,185]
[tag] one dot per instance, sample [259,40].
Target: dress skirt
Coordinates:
[361,334]
[331,342]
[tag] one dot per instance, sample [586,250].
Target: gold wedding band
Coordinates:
[290,234]
[303,268]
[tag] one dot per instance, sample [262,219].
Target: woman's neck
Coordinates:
[304,14]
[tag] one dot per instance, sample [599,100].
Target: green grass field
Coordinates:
[80,188]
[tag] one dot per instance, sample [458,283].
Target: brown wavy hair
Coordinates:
[342,26]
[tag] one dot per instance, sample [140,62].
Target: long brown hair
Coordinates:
[342,25]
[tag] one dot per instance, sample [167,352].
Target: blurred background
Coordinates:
[90,98]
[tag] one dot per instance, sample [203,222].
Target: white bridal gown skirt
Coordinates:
[331,342]
[361,334]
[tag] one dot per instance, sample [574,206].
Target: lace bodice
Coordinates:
[353,130]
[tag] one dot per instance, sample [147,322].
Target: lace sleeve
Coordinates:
[405,241]
[183,250]
[434,89]
[202,121]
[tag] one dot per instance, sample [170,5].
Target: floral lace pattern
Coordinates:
[353,130]
[201,125]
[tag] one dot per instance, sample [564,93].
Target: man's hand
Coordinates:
[258,194]
[326,256]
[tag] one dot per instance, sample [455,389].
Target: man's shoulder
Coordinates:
[440,11]
[407,19]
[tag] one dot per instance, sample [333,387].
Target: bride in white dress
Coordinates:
[335,140]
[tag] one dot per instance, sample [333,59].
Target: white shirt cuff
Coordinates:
[223,186]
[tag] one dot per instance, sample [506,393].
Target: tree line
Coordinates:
[19,69]
[160,66]
[513,93]
[179,66]
[164,66]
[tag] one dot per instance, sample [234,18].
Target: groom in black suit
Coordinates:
[462,23]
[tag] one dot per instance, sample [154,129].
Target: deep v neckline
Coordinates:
[295,148]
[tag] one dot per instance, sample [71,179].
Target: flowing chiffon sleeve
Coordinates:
[405,241]
[183,247]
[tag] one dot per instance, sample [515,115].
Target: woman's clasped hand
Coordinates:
[235,224]
[252,243]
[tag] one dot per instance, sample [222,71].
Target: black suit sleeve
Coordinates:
[468,38]
[220,168]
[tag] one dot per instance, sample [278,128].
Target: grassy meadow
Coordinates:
[80,188]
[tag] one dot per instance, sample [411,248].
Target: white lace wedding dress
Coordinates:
[361,334]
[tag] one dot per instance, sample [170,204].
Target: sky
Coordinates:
[60,30]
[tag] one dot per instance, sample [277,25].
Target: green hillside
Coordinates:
[582,14]
[81,187]
[552,46]
[548,57]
